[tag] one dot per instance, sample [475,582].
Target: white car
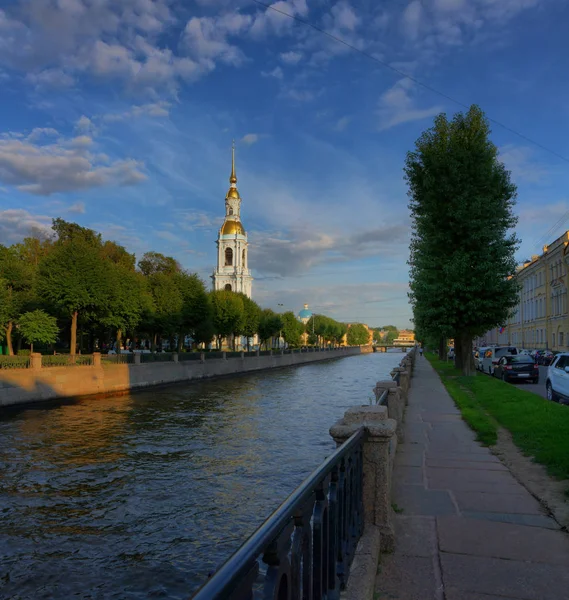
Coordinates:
[557,383]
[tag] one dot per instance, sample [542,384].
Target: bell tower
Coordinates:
[232,272]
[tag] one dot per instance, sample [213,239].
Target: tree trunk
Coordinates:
[467,364]
[442,348]
[9,338]
[119,340]
[31,348]
[180,342]
[73,344]
[153,342]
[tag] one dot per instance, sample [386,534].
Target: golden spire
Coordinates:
[233,177]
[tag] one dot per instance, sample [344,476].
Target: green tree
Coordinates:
[292,329]
[462,251]
[154,262]
[72,274]
[251,318]
[20,276]
[228,313]
[358,335]
[197,313]
[270,325]
[38,326]
[392,335]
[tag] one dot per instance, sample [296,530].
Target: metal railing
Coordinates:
[66,360]
[117,359]
[156,357]
[183,356]
[305,548]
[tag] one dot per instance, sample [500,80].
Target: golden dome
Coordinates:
[232,227]
[233,193]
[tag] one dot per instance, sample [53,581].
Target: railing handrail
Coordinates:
[240,563]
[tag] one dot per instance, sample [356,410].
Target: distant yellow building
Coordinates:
[406,337]
[540,319]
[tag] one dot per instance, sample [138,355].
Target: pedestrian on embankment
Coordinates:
[421,350]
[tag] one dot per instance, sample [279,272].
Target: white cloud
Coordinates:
[77,208]
[60,166]
[291,58]
[250,138]
[270,21]
[519,160]
[345,19]
[397,106]
[277,73]
[51,78]
[305,247]
[412,18]
[342,123]
[16,224]
[155,109]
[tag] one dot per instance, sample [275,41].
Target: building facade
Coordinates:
[232,272]
[540,319]
[406,337]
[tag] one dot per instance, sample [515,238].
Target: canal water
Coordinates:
[141,496]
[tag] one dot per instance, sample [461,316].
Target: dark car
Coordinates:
[517,367]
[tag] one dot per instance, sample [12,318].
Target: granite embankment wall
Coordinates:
[33,385]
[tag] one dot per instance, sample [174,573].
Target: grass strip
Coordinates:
[539,428]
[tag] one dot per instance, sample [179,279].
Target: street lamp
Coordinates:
[280,330]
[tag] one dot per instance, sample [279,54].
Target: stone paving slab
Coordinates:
[468,529]
[506,578]
[443,463]
[519,503]
[406,578]
[416,500]
[518,519]
[416,536]
[459,535]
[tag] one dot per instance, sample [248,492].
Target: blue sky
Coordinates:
[119,115]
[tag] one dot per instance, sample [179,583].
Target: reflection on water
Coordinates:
[141,496]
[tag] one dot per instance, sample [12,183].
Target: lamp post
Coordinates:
[280,331]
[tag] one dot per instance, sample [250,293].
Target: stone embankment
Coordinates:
[39,384]
[383,424]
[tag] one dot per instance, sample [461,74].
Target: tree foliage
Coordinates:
[38,326]
[228,314]
[462,248]
[270,325]
[358,335]
[292,329]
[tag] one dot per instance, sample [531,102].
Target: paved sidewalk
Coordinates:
[465,528]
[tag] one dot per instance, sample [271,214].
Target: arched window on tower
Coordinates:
[227,287]
[228,257]
[230,211]
[243,258]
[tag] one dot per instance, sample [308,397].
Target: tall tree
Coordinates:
[270,325]
[19,275]
[251,318]
[227,314]
[292,329]
[72,274]
[197,313]
[358,335]
[462,251]
[38,326]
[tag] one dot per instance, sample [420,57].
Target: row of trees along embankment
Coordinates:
[462,249]
[77,287]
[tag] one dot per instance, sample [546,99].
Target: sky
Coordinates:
[119,115]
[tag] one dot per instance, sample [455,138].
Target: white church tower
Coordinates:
[232,246]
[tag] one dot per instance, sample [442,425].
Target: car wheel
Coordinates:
[551,395]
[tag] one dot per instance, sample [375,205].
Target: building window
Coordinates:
[561,338]
[243,258]
[228,257]
[227,287]
[553,340]
[230,211]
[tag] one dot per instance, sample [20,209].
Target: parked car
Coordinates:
[518,367]
[478,357]
[493,355]
[557,383]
